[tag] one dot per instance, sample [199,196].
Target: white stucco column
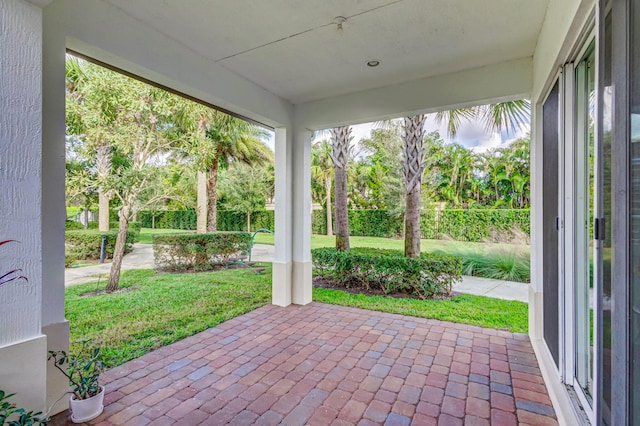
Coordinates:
[54,324]
[301,232]
[282,263]
[22,345]
[292,263]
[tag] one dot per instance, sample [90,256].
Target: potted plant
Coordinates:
[11,415]
[83,372]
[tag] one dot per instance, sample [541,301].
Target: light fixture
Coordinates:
[339,20]
[373,63]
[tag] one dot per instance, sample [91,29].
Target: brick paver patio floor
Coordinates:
[330,365]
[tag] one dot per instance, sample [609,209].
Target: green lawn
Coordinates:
[318,241]
[466,309]
[165,308]
[146,234]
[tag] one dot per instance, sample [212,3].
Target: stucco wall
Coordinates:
[20,167]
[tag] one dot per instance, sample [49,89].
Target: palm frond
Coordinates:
[506,115]
[454,118]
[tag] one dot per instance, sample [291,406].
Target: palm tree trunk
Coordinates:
[412,224]
[118,251]
[327,188]
[413,159]
[201,211]
[342,214]
[248,221]
[212,195]
[341,137]
[103,211]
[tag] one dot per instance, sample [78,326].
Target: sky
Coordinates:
[471,135]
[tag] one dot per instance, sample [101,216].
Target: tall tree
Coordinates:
[212,140]
[322,170]
[135,119]
[341,147]
[413,169]
[244,188]
[83,86]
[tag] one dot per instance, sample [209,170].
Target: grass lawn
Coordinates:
[165,308]
[318,241]
[466,309]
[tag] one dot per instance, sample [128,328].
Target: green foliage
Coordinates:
[374,223]
[85,244]
[389,270]
[199,252]
[11,415]
[510,265]
[458,224]
[244,188]
[83,369]
[72,225]
[168,219]
[480,224]
[229,220]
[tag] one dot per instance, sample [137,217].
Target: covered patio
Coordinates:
[299,67]
[322,364]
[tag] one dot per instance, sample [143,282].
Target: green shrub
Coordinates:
[85,244]
[458,224]
[199,252]
[71,225]
[500,264]
[389,270]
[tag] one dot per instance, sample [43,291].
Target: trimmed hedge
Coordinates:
[85,244]
[389,271]
[199,252]
[458,224]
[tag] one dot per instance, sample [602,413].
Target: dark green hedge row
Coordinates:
[85,244]
[389,271]
[135,227]
[458,224]
[184,252]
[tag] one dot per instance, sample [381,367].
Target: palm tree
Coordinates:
[413,169]
[340,141]
[322,170]
[214,139]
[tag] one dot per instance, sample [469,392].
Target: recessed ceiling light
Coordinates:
[373,63]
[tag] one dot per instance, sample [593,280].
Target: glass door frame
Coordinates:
[568,226]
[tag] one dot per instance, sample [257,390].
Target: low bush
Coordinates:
[72,225]
[85,244]
[498,264]
[198,252]
[389,271]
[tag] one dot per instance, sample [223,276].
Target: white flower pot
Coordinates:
[83,410]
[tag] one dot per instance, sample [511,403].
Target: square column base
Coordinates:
[57,385]
[23,371]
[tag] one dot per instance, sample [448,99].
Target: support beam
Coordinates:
[301,279]
[53,212]
[282,263]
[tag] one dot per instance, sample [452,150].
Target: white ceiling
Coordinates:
[293,49]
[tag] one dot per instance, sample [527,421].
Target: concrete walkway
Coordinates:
[142,258]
